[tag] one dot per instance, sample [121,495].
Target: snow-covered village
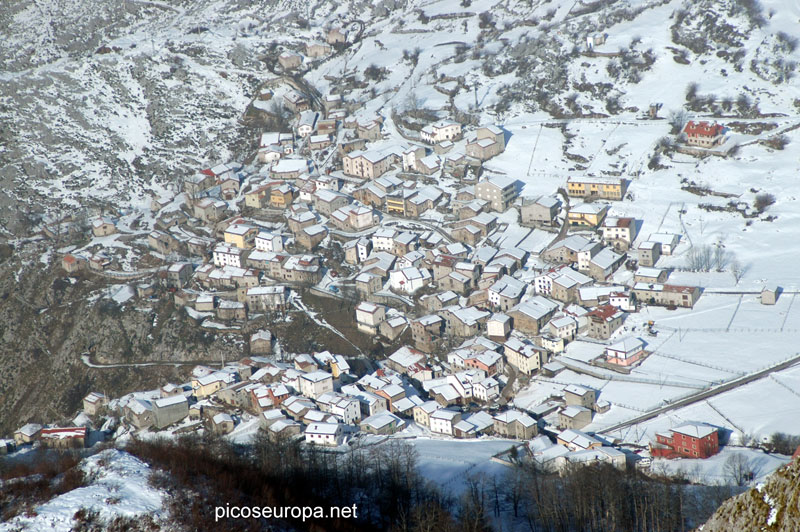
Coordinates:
[546,237]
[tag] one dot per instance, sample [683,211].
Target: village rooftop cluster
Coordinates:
[405,226]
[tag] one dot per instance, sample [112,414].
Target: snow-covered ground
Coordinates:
[118,487]
[713,470]
[450,463]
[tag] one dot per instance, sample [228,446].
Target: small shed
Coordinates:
[770,294]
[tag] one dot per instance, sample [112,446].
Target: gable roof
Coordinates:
[695,430]
[703,129]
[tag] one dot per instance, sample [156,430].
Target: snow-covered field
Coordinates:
[713,471]
[450,463]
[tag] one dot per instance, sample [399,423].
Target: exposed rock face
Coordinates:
[773,506]
[47,322]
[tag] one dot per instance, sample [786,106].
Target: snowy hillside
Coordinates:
[113,100]
[118,487]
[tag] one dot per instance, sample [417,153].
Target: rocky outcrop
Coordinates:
[773,506]
[48,321]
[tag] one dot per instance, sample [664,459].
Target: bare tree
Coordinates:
[413,104]
[738,469]
[472,511]
[738,269]
[677,119]
[515,488]
[721,257]
[700,258]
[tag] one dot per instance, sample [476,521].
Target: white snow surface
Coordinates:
[119,487]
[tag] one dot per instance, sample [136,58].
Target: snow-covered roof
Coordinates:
[588,208]
[572,411]
[509,287]
[665,238]
[536,307]
[429,406]
[511,416]
[574,243]
[447,391]
[238,229]
[595,180]
[563,321]
[501,182]
[445,414]
[290,165]
[407,356]
[606,258]
[170,401]
[29,429]
[578,439]
[139,406]
[222,417]
[626,345]
[644,271]
[325,429]
[547,201]
[381,419]
[695,430]
[317,376]
[469,315]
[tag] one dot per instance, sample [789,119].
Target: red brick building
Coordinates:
[690,440]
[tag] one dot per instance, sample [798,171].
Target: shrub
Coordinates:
[375,73]
[763,201]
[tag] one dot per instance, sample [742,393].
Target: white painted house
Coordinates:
[330,434]
[369,316]
[271,242]
[316,383]
[383,239]
[441,130]
[307,123]
[443,420]
[227,256]
[409,280]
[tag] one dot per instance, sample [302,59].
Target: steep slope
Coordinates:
[46,322]
[111,101]
[773,506]
[115,493]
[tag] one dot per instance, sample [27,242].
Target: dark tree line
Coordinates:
[390,493]
[382,480]
[599,498]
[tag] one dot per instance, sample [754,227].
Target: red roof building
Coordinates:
[71,263]
[703,134]
[689,440]
[603,321]
[63,437]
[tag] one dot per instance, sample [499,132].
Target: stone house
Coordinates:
[603,321]
[542,210]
